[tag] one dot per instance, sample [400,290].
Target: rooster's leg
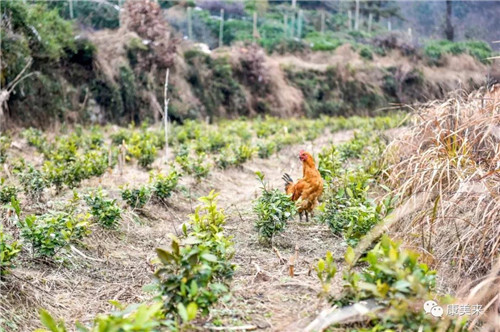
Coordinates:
[300,216]
[307,217]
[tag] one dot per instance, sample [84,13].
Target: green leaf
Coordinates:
[321,265]
[48,321]
[192,310]
[349,256]
[181,310]
[209,257]
[164,256]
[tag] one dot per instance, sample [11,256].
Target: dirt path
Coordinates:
[264,293]
[115,265]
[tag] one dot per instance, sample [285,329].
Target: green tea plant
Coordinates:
[395,279]
[224,159]
[242,153]
[8,252]
[144,145]
[4,147]
[105,211]
[194,273]
[162,186]
[329,163]
[31,179]
[136,317]
[354,147]
[326,270]
[136,198]
[197,167]
[35,138]
[265,148]
[7,193]
[51,232]
[273,208]
[348,210]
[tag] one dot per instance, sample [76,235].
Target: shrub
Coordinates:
[8,252]
[265,148]
[164,185]
[136,317]
[7,193]
[348,210]
[4,147]
[194,273]
[106,212]
[197,167]
[366,53]
[395,280]
[51,232]
[34,137]
[242,153]
[136,198]
[435,49]
[329,163]
[273,208]
[32,180]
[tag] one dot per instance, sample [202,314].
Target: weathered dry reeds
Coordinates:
[450,159]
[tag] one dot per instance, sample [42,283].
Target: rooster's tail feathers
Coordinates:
[288,180]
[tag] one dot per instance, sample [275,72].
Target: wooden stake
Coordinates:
[356,18]
[293,260]
[370,19]
[221,27]
[285,22]
[165,113]
[255,34]
[121,156]
[190,24]
[299,24]
[349,22]
[71,9]
[322,21]
[280,258]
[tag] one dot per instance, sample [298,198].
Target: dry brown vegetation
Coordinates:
[450,159]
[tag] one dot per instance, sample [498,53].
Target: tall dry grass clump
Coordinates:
[450,160]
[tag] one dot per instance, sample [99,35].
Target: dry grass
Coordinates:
[450,158]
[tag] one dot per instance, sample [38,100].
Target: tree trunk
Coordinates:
[448,31]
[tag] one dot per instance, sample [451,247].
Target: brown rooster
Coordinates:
[308,189]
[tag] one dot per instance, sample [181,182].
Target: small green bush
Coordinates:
[164,185]
[197,167]
[7,193]
[31,179]
[394,279]
[195,272]
[273,208]
[435,49]
[106,212]
[8,253]
[4,147]
[136,198]
[265,149]
[136,317]
[34,137]
[51,232]
[366,52]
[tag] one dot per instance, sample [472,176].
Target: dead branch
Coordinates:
[293,260]
[355,313]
